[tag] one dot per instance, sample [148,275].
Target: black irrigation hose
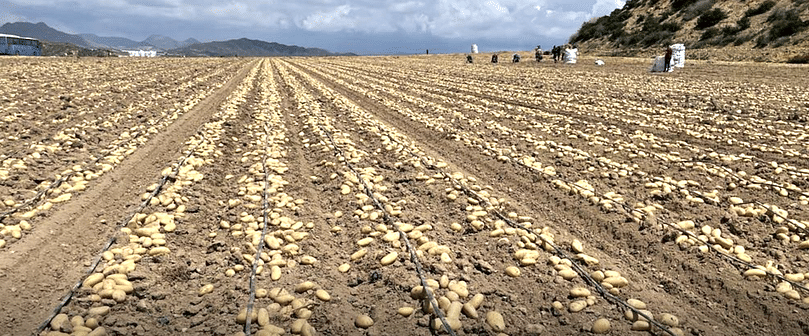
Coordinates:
[265,206]
[389,221]
[36,197]
[61,180]
[66,299]
[732,259]
[582,273]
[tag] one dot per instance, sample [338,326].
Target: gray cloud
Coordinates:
[387,26]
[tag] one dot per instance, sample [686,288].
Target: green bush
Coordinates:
[710,18]
[761,9]
[709,34]
[743,23]
[785,23]
[742,40]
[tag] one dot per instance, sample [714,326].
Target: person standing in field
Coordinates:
[556,53]
[667,60]
[468,58]
[494,58]
[538,53]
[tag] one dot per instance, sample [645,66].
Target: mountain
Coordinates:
[41,31]
[60,43]
[699,24]
[188,42]
[247,47]
[110,42]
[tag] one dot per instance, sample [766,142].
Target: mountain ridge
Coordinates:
[188,47]
[248,47]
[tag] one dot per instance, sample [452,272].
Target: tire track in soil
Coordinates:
[35,273]
[699,286]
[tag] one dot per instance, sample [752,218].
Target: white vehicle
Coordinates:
[16,45]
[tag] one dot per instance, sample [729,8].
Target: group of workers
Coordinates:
[538,55]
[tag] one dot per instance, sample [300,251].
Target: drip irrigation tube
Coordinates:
[265,206]
[389,221]
[66,299]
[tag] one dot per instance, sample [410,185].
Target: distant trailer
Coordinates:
[21,46]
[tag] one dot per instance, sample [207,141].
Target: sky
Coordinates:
[358,26]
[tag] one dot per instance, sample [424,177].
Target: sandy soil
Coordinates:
[432,137]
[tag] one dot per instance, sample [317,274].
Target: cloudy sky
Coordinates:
[359,26]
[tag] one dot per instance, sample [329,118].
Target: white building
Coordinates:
[142,53]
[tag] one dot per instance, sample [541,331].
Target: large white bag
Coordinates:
[659,65]
[571,56]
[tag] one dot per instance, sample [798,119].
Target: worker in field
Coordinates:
[515,58]
[555,53]
[538,53]
[667,60]
[494,58]
[468,58]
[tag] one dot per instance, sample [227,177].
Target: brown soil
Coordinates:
[481,120]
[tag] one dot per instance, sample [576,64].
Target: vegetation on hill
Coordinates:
[700,24]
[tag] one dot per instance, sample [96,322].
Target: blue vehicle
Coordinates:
[21,46]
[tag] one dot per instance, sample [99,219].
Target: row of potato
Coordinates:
[65,184]
[726,245]
[663,105]
[479,218]
[149,232]
[780,216]
[449,295]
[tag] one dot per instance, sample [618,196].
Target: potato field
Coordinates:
[402,196]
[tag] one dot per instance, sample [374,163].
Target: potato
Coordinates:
[98,311]
[405,311]
[641,326]
[513,271]
[637,304]
[577,306]
[58,321]
[601,326]
[323,295]
[579,292]
[359,254]
[389,258]
[363,321]
[304,286]
[669,320]
[93,279]
[495,320]
[568,274]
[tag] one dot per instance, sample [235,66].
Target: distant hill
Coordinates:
[68,49]
[248,47]
[42,31]
[110,42]
[167,43]
[60,43]
[700,24]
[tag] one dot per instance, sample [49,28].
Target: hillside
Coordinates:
[248,47]
[42,31]
[756,27]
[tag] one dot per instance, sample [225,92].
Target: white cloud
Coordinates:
[511,21]
[605,7]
